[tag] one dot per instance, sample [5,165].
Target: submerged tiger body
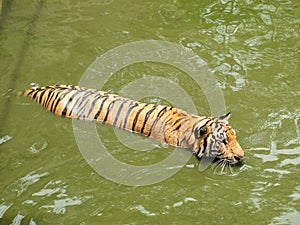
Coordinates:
[205,136]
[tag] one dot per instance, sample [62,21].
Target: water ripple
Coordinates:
[21,185]
[142,209]
[59,206]
[5,139]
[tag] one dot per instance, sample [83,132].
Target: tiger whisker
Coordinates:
[224,164]
[230,168]
[218,165]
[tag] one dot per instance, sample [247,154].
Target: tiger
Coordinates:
[205,136]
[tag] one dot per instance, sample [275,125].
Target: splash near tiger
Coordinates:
[210,137]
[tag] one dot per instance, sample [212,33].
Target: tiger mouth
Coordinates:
[222,166]
[235,160]
[220,160]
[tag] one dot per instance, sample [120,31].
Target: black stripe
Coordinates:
[179,125]
[165,140]
[97,97]
[57,102]
[159,115]
[29,93]
[178,120]
[136,117]
[108,109]
[80,101]
[147,117]
[63,94]
[101,107]
[77,92]
[128,112]
[49,97]
[71,112]
[54,98]
[34,95]
[219,129]
[64,112]
[177,142]
[41,96]
[118,113]
[83,104]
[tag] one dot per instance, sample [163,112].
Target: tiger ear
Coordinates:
[200,131]
[225,116]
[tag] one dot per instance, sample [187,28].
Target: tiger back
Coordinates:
[204,135]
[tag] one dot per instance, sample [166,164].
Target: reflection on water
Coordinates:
[280,160]
[56,189]
[142,209]
[5,139]
[59,206]
[164,209]
[273,153]
[34,148]
[284,131]
[4,208]
[290,217]
[59,189]
[21,185]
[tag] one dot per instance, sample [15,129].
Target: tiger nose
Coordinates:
[238,154]
[239,158]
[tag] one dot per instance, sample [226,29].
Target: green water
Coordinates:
[252,47]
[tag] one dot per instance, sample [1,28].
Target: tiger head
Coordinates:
[217,140]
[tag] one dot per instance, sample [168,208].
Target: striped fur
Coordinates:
[209,136]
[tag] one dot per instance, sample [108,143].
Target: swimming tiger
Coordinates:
[205,136]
